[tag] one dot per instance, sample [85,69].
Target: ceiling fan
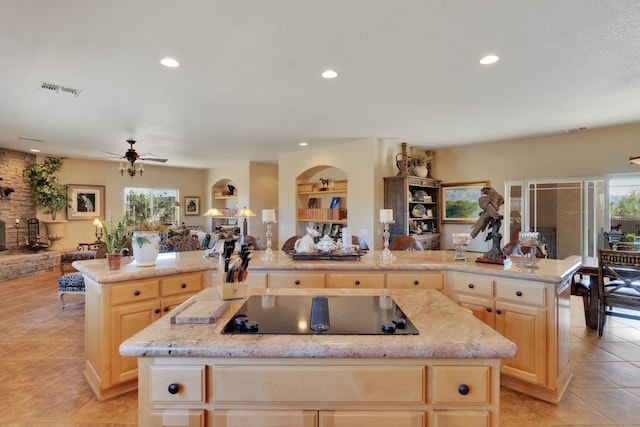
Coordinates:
[131,156]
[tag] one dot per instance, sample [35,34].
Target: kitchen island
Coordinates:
[193,375]
[529,307]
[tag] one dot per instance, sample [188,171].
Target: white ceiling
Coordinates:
[249,87]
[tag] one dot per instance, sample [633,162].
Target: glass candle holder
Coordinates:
[528,241]
[460,242]
[386,256]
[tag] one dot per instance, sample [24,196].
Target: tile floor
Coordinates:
[42,349]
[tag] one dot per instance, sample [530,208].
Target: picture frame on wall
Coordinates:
[192,205]
[86,202]
[460,201]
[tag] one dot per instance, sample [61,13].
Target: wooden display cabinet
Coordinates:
[416,208]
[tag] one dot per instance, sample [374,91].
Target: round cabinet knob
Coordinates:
[357,282]
[296,282]
[470,285]
[173,388]
[416,283]
[156,311]
[136,292]
[166,309]
[519,293]
[498,311]
[463,389]
[184,285]
[488,309]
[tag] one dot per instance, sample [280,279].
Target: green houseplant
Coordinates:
[116,236]
[45,189]
[47,193]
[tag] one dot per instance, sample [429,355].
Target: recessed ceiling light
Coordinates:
[303,144]
[329,74]
[170,62]
[34,150]
[489,59]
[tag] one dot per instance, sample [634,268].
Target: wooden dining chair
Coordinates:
[618,285]
[405,243]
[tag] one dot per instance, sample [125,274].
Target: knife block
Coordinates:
[230,290]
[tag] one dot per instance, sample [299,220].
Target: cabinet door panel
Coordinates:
[128,320]
[461,419]
[178,418]
[526,328]
[265,418]
[482,308]
[371,419]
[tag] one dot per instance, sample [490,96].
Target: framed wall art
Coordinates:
[192,205]
[460,201]
[87,202]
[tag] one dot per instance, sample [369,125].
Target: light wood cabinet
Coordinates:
[416,280]
[416,208]
[318,393]
[356,279]
[117,311]
[529,314]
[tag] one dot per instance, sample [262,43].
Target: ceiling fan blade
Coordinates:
[153,159]
[113,154]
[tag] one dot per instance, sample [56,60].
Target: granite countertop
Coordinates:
[446,330]
[550,270]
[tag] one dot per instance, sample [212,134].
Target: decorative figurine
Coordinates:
[325,184]
[490,201]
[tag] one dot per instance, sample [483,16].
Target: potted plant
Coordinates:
[420,161]
[49,194]
[116,237]
[147,235]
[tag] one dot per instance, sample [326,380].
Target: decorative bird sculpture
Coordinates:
[490,201]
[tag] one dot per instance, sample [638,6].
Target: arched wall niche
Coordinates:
[225,202]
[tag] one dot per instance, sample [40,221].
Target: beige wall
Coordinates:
[364,161]
[590,153]
[189,182]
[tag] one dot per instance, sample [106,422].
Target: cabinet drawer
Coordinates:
[178,417]
[172,384]
[521,292]
[296,280]
[461,384]
[461,418]
[185,283]
[137,291]
[471,284]
[417,280]
[300,384]
[266,418]
[355,280]
[371,418]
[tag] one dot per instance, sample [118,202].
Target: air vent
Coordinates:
[52,87]
[27,139]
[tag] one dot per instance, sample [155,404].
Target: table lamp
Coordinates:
[213,213]
[244,213]
[98,225]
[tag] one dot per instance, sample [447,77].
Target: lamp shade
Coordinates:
[635,160]
[245,212]
[97,222]
[213,212]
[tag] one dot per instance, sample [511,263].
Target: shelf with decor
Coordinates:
[322,202]
[225,199]
[416,208]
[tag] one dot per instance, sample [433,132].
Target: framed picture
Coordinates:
[87,202]
[460,201]
[429,213]
[192,205]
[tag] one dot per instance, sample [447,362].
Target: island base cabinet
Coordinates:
[319,393]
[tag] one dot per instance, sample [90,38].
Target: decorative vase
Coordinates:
[113,261]
[420,171]
[146,247]
[55,232]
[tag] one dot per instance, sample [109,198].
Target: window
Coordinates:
[624,204]
[151,204]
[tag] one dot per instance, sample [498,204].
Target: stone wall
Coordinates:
[27,264]
[17,205]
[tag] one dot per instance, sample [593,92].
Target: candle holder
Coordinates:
[268,254]
[386,255]
[460,242]
[528,241]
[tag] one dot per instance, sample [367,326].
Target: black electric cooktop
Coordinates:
[328,315]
